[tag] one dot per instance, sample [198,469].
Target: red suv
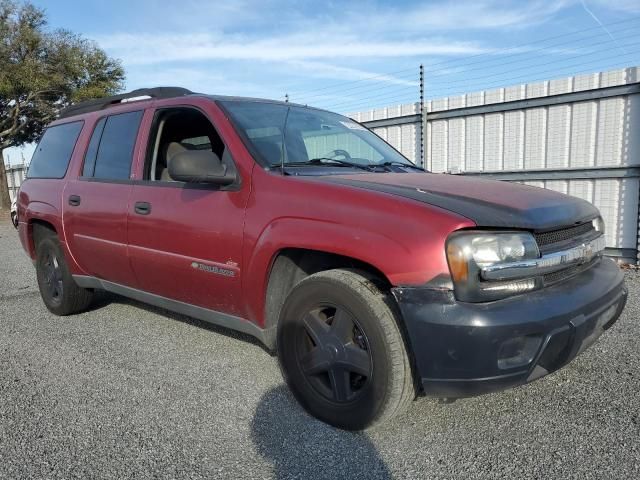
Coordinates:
[374,280]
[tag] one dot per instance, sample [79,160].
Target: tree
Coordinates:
[41,72]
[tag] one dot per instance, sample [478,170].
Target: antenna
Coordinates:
[284,141]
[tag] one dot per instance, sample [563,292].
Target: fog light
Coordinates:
[518,351]
[518,286]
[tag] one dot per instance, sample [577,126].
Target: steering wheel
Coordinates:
[339,153]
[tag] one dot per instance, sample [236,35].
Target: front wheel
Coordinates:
[342,352]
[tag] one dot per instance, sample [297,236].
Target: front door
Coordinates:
[185,240]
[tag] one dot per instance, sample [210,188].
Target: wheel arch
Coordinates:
[37,228]
[291,265]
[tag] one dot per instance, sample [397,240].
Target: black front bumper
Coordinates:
[456,346]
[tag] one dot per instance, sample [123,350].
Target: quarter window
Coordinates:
[92,151]
[52,156]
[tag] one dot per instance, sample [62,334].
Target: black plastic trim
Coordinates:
[265,336]
[456,345]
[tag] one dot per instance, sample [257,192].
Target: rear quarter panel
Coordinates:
[39,199]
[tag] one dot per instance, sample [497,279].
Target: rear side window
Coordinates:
[110,150]
[52,156]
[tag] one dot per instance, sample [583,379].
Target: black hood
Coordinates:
[489,203]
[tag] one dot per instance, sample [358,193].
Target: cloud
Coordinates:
[457,15]
[195,79]
[335,31]
[327,70]
[149,48]
[628,6]
[331,40]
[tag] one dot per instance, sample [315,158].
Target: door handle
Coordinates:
[74,200]
[142,208]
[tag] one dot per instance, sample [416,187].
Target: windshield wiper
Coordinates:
[400,164]
[328,161]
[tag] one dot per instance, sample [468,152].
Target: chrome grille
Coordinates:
[563,234]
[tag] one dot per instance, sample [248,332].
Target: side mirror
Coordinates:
[200,166]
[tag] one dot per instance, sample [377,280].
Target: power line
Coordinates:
[365,88]
[467,81]
[535,42]
[388,98]
[434,72]
[503,83]
[496,53]
[364,79]
[545,77]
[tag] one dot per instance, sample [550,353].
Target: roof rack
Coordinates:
[139,94]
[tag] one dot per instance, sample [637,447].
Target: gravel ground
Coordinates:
[130,391]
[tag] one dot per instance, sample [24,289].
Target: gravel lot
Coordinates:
[130,391]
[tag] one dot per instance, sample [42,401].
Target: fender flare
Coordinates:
[322,236]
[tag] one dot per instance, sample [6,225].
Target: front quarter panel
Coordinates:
[401,238]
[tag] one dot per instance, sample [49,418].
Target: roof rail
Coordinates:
[139,94]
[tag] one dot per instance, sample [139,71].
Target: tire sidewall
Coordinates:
[47,245]
[365,408]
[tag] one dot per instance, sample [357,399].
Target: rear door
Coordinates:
[185,240]
[96,203]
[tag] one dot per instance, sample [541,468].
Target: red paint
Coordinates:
[240,231]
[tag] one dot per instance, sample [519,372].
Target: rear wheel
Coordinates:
[341,350]
[14,219]
[59,292]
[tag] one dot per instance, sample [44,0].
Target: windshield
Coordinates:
[309,136]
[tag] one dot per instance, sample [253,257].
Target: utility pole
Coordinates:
[423,121]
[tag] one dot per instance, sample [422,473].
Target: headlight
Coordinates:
[470,251]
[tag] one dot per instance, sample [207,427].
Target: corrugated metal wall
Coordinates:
[405,138]
[15,176]
[597,133]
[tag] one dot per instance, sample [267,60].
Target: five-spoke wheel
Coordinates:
[334,353]
[341,350]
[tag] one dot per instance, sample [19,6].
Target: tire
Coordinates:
[14,219]
[330,324]
[60,293]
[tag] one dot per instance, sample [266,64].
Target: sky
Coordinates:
[349,56]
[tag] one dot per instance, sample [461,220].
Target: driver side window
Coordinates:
[176,130]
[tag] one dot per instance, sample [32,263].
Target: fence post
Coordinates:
[423,120]
[638,228]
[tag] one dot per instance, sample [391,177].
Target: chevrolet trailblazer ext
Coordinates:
[374,280]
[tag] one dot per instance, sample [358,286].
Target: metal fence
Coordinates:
[15,176]
[578,135]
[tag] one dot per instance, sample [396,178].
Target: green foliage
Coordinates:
[43,71]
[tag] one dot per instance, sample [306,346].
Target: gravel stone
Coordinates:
[131,391]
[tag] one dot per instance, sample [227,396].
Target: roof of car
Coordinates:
[150,93]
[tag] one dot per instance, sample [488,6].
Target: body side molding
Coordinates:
[266,336]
